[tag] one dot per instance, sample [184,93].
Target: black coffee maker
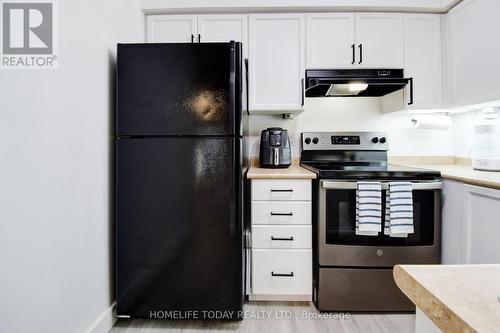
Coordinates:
[275,148]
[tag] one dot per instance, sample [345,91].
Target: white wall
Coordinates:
[55,144]
[356,114]
[463,125]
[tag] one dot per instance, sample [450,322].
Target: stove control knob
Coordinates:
[315,140]
[382,140]
[375,140]
[307,141]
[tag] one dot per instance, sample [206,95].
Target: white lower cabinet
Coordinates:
[281,272]
[471,224]
[281,238]
[482,225]
[281,212]
[281,190]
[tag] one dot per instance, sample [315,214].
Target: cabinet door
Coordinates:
[380,40]
[224,28]
[482,225]
[330,40]
[423,59]
[474,52]
[276,62]
[171,28]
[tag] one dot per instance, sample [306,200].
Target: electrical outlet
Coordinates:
[293,142]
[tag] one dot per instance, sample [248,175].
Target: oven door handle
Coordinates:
[385,186]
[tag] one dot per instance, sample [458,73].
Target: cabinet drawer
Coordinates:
[282,272]
[281,189]
[281,237]
[275,212]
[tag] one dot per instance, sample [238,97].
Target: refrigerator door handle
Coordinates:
[232,86]
[234,192]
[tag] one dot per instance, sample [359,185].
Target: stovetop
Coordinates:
[354,155]
[381,172]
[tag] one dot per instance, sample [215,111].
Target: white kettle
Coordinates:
[485,154]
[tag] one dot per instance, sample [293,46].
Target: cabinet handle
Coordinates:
[360,53]
[192,38]
[353,46]
[282,274]
[281,239]
[199,38]
[281,214]
[290,190]
[411,91]
[302,90]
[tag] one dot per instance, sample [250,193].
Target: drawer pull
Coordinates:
[282,274]
[281,239]
[281,214]
[290,190]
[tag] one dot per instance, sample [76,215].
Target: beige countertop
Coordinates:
[459,172]
[293,172]
[462,173]
[457,298]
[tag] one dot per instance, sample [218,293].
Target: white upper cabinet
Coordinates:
[380,40]
[423,59]
[198,28]
[276,62]
[361,40]
[475,52]
[224,28]
[171,28]
[330,40]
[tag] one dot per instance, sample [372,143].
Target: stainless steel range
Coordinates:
[354,272]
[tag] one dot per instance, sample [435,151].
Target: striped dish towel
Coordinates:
[399,210]
[368,208]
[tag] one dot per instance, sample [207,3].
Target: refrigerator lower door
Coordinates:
[178,228]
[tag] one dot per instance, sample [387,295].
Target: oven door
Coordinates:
[338,245]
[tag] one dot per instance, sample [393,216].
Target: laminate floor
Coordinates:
[277,317]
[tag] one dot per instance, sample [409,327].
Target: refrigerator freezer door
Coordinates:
[179,89]
[178,226]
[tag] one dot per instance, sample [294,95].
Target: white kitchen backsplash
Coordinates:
[463,126]
[356,114]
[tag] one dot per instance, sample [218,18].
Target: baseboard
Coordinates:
[105,322]
[280,298]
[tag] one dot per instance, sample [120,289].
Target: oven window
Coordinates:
[341,220]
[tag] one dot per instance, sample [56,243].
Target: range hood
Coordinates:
[355,82]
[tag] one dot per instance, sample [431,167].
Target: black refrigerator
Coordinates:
[179,173]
